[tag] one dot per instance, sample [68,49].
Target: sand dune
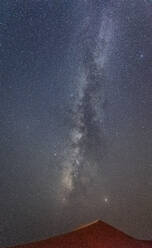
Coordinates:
[95,235]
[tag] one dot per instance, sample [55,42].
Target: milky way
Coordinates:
[87,145]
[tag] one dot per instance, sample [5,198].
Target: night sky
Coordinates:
[75,117]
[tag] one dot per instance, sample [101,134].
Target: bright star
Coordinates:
[106,199]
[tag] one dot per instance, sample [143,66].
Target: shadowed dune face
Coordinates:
[95,235]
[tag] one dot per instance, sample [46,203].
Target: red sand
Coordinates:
[96,235]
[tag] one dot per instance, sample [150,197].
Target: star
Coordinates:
[141,55]
[106,200]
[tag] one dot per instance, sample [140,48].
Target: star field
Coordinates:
[75,117]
